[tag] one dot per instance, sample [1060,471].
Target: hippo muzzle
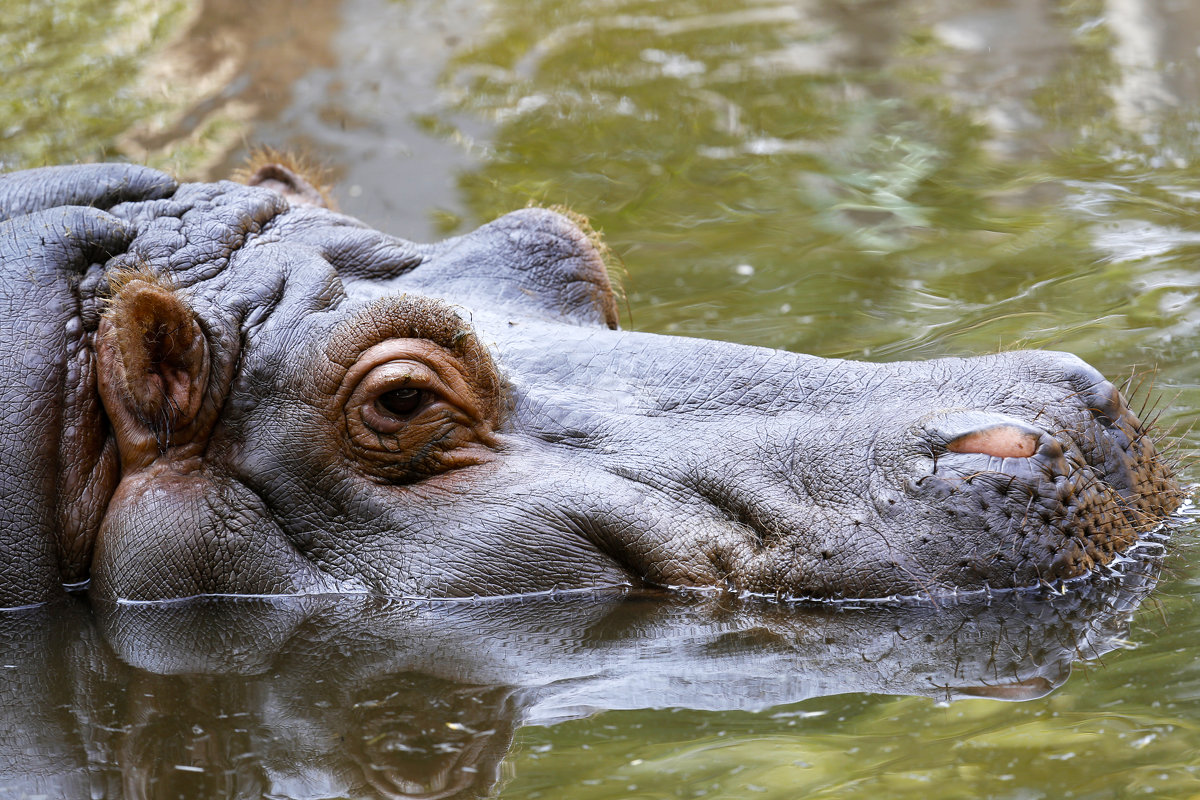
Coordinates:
[229,389]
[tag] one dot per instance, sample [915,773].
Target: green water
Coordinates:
[874,180]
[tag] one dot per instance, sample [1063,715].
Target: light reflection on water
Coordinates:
[854,179]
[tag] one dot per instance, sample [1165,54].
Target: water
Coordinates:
[875,180]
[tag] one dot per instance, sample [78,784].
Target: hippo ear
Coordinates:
[285,174]
[153,353]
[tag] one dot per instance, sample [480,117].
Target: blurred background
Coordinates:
[871,179]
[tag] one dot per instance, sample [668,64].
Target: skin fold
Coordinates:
[231,389]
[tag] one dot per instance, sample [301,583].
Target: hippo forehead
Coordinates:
[243,253]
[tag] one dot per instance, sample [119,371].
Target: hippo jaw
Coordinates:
[347,411]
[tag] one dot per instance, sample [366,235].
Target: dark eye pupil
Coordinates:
[400,402]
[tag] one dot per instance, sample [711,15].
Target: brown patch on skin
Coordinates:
[293,176]
[153,352]
[1002,441]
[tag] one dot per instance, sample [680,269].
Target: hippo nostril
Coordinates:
[1093,390]
[1001,441]
[1105,403]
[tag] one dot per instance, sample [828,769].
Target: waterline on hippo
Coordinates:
[230,389]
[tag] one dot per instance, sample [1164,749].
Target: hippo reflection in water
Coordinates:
[225,388]
[372,697]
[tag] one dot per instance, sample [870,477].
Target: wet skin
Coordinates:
[218,388]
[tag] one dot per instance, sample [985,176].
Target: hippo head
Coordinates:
[291,402]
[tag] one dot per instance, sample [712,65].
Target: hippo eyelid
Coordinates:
[398,317]
[356,343]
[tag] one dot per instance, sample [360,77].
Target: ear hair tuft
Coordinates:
[294,176]
[122,272]
[612,264]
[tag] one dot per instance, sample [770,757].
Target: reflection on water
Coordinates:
[865,178]
[368,697]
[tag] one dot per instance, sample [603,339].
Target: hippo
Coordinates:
[231,389]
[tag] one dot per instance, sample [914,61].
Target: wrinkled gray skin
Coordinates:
[600,457]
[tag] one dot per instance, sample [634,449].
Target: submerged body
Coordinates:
[217,388]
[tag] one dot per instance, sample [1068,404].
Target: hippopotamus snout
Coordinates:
[837,479]
[1052,492]
[1055,505]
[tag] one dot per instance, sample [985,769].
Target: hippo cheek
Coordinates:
[1011,522]
[178,531]
[490,528]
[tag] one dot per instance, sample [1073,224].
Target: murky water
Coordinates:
[873,180]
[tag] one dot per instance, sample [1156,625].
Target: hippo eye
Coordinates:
[401,402]
[412,410]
